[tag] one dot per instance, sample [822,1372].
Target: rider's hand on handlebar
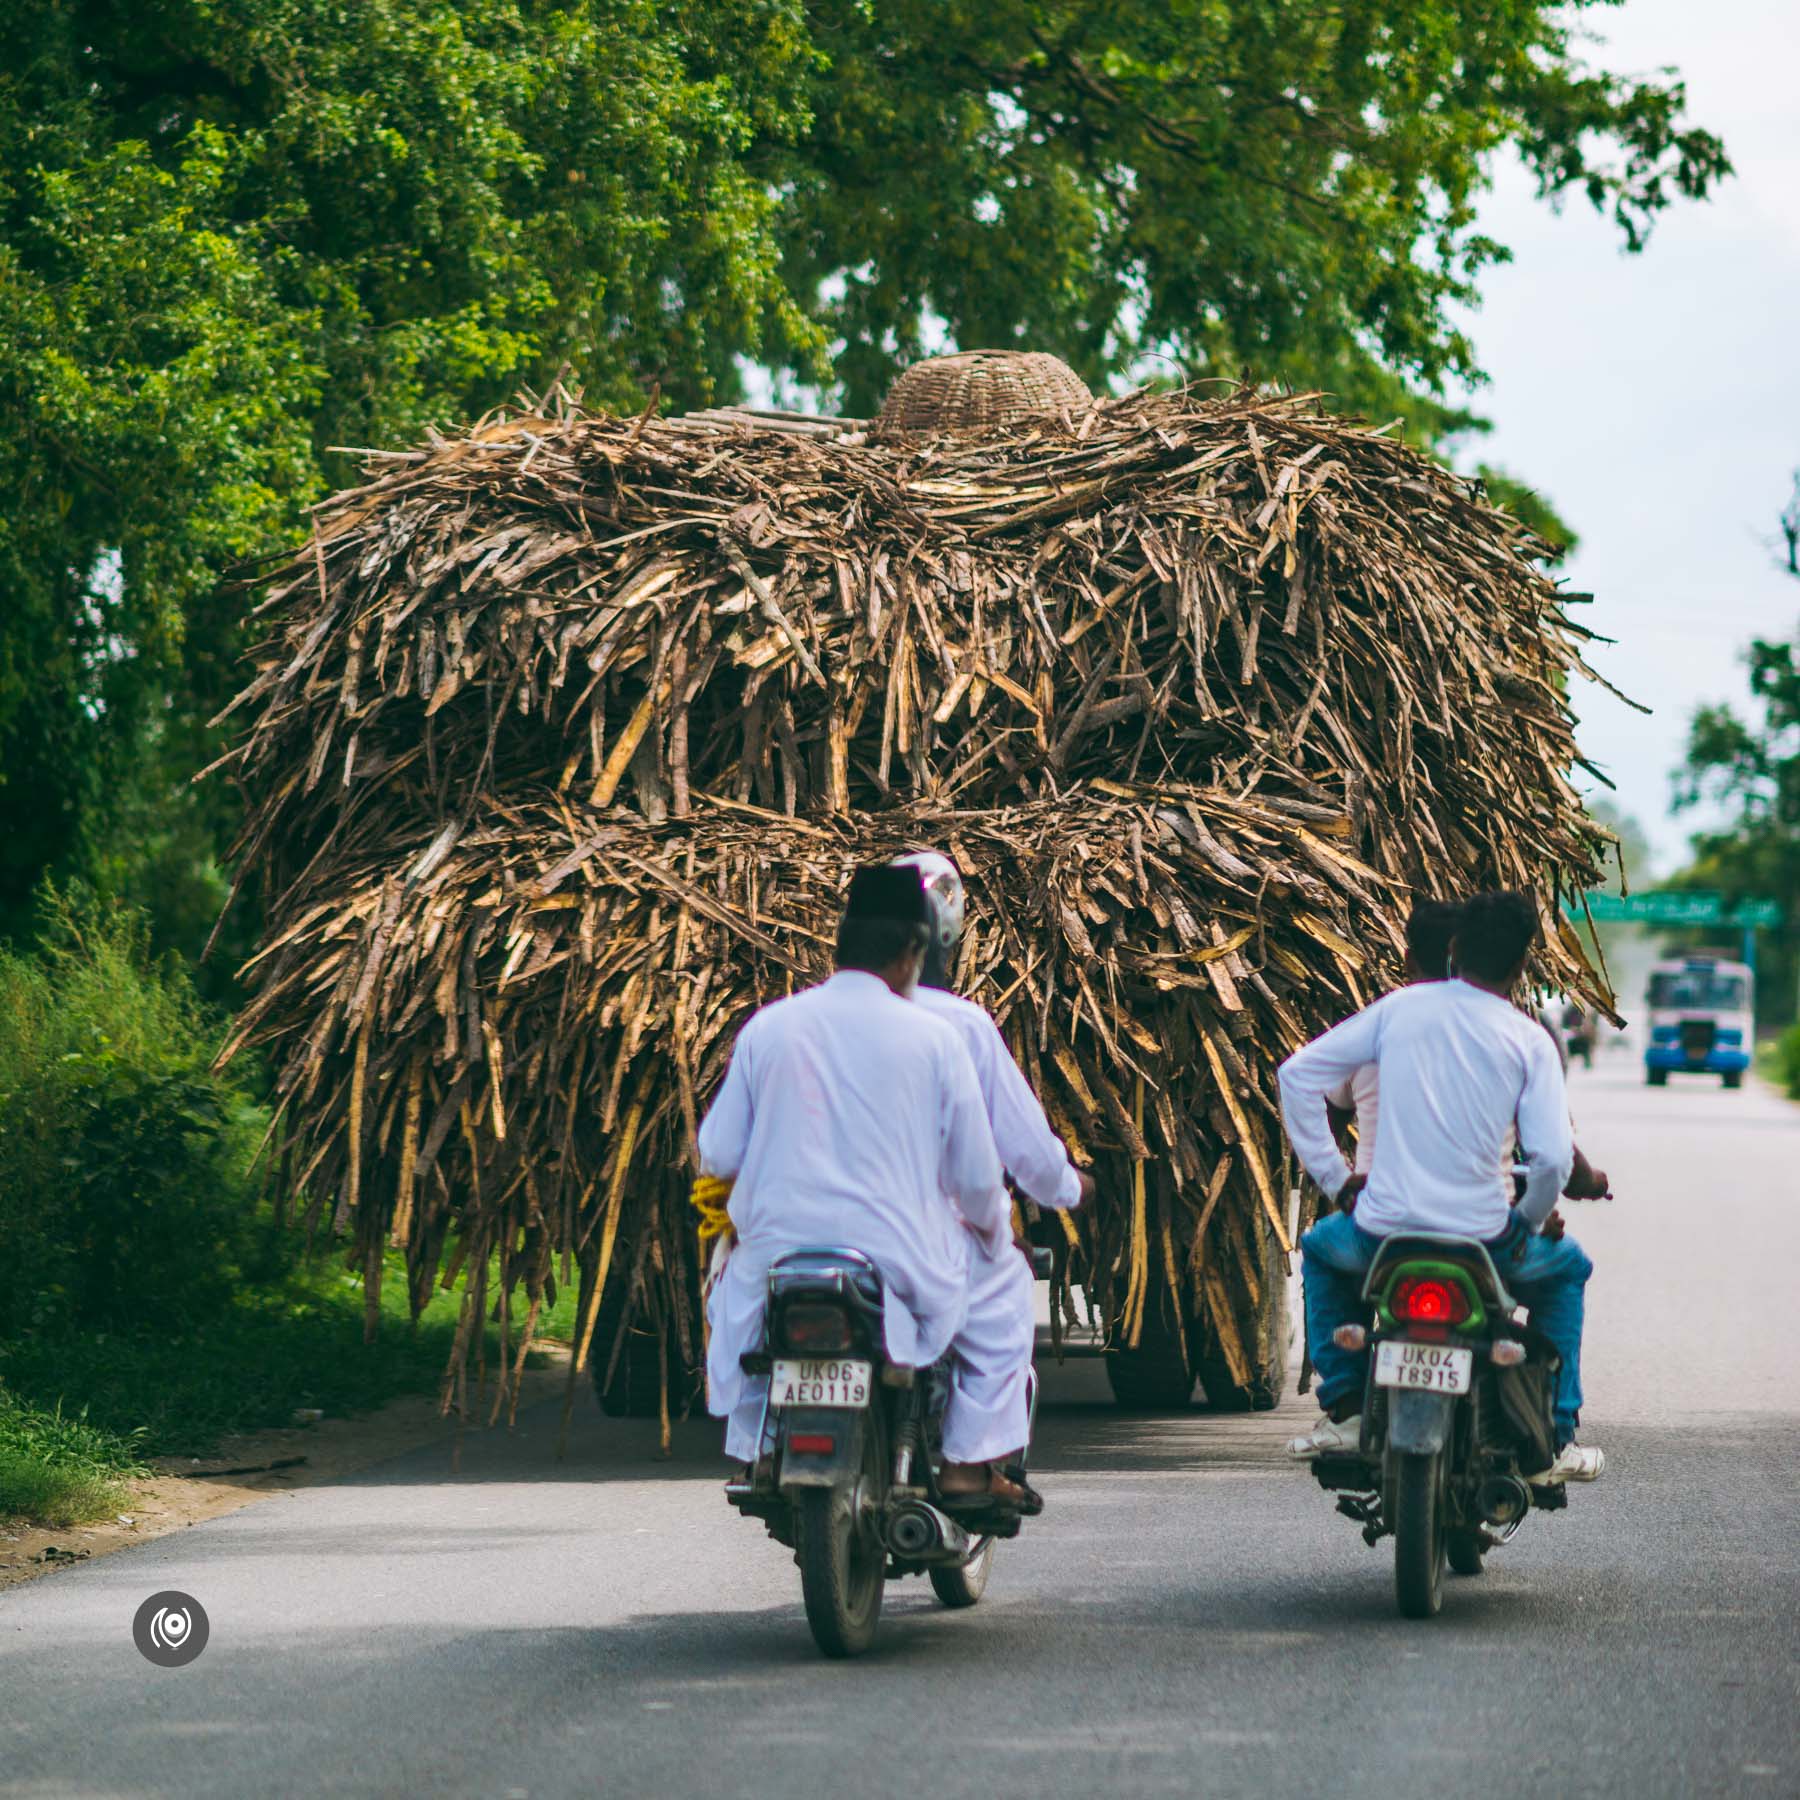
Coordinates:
[1586,1182]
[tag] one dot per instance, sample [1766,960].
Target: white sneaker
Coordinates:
[1330,1437]
[1574,1462]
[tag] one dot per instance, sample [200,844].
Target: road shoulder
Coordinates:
[253,1466]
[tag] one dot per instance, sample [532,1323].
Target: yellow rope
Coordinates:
[708,1197]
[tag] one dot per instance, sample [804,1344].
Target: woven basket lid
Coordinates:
[980,390]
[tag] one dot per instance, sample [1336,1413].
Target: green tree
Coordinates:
[236,233]
[1750,767]
[1264,185]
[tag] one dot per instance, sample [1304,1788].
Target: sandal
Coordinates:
[1000,1495]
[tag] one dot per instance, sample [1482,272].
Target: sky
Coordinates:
[1655,399]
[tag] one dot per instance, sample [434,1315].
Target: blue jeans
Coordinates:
[1548,1276]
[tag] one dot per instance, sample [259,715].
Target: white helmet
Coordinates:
[943,900]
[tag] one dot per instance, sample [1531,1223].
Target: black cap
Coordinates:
[884,892]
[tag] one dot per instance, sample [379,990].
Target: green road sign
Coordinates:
[1678,907]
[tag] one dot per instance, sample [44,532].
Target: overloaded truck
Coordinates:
[567,730]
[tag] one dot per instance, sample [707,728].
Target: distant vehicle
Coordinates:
[1701,1019]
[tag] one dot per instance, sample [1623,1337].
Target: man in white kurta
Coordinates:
[1001,1290]
[850,1116]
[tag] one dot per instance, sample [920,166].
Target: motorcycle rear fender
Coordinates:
[838,1467]
[1418,1423]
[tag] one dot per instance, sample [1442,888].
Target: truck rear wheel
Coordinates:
[1154,1377]
[635,1390]
[1154,1374]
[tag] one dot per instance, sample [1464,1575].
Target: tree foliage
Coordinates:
[1750,769]
[236,233]
[1264,185]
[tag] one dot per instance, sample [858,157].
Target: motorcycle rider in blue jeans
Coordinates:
[1458,1068]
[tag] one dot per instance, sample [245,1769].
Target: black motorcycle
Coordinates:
[1456,1415]
[846,1469]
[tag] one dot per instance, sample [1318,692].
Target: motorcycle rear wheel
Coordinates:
[1419,1535]
[966,1582]
[843,1562]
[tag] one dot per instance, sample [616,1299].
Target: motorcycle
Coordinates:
[846,1469]
[1456,1415]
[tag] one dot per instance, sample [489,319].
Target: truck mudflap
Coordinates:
[1418,1423]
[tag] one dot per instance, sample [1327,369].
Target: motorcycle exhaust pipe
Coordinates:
[1503,1500]
[919,1529]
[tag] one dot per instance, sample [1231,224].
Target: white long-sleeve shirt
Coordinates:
[851,1117]
[1458,1067]
[1035,1157]
[1360,1094]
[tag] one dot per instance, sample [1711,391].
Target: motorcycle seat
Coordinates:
[1470,1254]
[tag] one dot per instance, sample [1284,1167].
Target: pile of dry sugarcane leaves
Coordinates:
[566,733]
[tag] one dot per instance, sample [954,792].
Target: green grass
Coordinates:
[80,1411]
[56,1470]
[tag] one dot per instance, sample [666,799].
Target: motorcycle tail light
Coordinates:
[812,1443]
[814,1329]
[1507,1352]
[1351,1337]
[1428,1300]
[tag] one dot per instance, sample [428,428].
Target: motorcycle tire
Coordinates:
[1657,1077]
[967,1581]
[1733,1078]
[843,1563]
[1465,1551]
[1419,1534]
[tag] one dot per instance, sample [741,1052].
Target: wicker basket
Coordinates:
[980,390]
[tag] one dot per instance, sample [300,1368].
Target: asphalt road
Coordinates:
[1188,1617]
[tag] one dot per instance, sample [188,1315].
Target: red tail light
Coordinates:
[812,1443]
[1428,1300]
[815,1328]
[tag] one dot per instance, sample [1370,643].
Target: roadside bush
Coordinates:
[124,1161]
[1787,1052]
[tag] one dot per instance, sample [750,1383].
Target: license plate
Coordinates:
[1437,1368]
[819,1381]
